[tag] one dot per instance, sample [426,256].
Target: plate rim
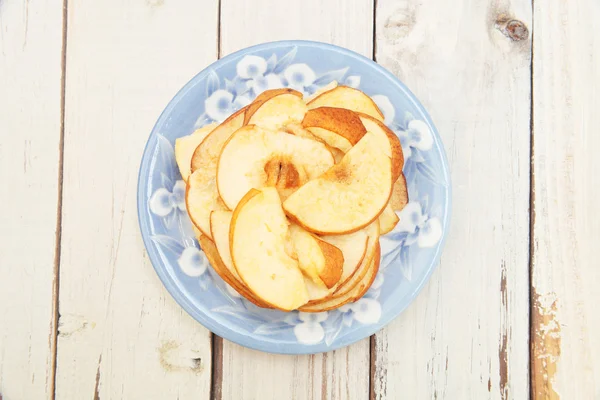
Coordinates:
[251,341]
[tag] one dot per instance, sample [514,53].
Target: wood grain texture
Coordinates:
[466,335]
[30,126]
[121,335]
[566,270]
[342,374]
[345,23]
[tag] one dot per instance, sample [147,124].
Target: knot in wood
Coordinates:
[514,29]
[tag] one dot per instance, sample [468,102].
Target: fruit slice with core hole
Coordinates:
[255,157]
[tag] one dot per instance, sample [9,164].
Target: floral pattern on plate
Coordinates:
[408,251]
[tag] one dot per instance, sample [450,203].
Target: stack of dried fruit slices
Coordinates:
[289,196]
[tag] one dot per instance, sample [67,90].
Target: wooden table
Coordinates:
[513,310]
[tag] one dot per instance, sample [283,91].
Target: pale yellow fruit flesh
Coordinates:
[254,158]
[298,130]
[206,155]
[388,219]
[326,88]
[331,138]
[353,295]
[372,246]
[399,197]
[201,198]
[257,237]
[215,260]
[354,247]
[389,142]
[348,98]
[316,291]
[357,275]
[349,196]
[338,127]
[185,147]
[220,222]
[279,111]
[319,260]
[310,257]
[332,180]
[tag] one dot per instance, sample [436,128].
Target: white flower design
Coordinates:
[416,136]
[163,202]
[386,107]
[192,262]
[418,227]
[299,76]
[253,69]
[262,83]
[353,81]
[365,310]
[221,104]
[310,331]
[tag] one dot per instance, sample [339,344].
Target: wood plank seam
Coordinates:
[216,374]
[372,344]
[58,240]
[531,209]
[374,30]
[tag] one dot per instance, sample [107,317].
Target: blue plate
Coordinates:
[409,253]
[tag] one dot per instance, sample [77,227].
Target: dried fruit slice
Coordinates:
[349,196]
[348,98]
[255,157]
[257,239]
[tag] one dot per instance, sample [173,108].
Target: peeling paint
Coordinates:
[97,385]
[176,358]
[546,338]
[503,360]
[155,3]
[503,349]
[69,324]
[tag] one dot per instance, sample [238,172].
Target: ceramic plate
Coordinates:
[409,252]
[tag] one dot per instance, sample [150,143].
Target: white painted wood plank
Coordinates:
[344,23]
[342,374]
[465,337]
[250,374]
[121,335]
[30,118]
[566,270]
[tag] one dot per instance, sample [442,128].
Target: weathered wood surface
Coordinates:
[466,335]
[566,270]
[512,91]
[120,334]
[30,130]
